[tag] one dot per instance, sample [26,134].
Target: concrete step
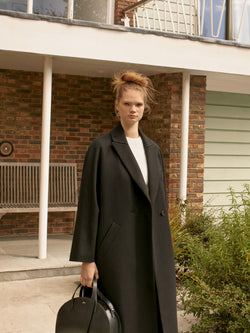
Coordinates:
[18,258]
[39,273]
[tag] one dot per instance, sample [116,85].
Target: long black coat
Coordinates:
[123,226]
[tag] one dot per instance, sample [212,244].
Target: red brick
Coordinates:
[82,109]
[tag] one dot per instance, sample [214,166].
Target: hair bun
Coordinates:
[136,78]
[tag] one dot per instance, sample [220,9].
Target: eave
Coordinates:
[87,48]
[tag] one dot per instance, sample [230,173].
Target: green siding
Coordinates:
[227,146]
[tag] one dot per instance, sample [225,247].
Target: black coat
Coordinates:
[123,226]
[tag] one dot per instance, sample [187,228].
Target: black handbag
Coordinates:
[84,314]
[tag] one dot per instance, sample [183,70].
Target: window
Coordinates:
[241,17]
[218,12]
[17,5]
[95,11]
[51,7]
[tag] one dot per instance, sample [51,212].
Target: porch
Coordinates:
[175,62]
[19,262]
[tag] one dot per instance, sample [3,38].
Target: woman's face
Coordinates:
[130,107]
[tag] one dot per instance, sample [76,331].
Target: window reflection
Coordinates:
[241,35]
[91,10]
[17,5]
[83,9]
[51,7]
[219,13]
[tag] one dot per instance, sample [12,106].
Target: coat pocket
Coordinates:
[106,243]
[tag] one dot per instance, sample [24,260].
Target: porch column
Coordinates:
[45,147]
[184,136]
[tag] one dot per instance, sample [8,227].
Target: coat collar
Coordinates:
[122,148]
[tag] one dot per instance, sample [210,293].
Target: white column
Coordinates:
[184,136]
[30,6]
[44,166]
[70,9]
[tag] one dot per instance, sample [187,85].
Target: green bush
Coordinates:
[217,279]
[194,224]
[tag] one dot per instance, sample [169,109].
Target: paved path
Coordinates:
[32,290]
[30,306]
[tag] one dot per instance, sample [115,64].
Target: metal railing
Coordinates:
[182,17]
[188,17]
[177,16]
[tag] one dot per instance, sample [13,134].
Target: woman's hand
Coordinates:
[89,271]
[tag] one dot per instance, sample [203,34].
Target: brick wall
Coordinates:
[164,126]
[82,109]
[196,144]
[119,6]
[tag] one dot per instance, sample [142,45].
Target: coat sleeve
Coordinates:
[85,233]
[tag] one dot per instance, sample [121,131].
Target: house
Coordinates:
[57,59]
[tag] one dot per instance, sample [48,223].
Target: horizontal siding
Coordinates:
[228,124]
[219,161]
[227,111]
[215,174]
[222,186]
[227,146]
[227,136]
[233,149]
[222,99]
[217,201]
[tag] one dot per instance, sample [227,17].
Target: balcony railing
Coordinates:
[222,19]
[211,18]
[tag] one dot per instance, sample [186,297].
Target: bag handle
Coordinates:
[108,303]
[96,293]
[93,300]
[93,293]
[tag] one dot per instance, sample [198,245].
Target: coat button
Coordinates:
[162,213]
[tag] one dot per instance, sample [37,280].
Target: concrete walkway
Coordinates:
[33,290]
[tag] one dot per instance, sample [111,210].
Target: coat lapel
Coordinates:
[122,148]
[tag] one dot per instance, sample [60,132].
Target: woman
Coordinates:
[122,233]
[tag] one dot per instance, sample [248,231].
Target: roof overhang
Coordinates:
[92,49]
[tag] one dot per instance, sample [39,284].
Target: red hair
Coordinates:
[132,80]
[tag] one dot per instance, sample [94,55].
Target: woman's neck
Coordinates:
[131,131]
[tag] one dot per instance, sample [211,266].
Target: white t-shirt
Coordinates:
[136,145]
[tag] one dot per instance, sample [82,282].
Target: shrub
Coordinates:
[217,280]
[194,224]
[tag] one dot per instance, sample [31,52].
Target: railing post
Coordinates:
[44,169]
[30,6]
[70,9]
[110,12]
[184,136]
[126,21]
[229,20]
